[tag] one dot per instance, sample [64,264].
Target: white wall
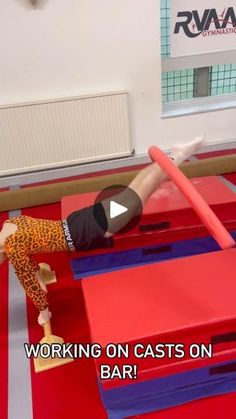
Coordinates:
[74,47]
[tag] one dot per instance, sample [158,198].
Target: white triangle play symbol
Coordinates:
[116,209]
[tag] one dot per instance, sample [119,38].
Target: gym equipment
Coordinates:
[174,248]
[43,364]
[210,407]
[47,275]
[167,210]
[166,392]
[46,194]
[208,217]
[169,302]
[186,300]
[169,228]
[40,363]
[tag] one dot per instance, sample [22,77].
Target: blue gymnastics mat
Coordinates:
[93,265]
[170,391]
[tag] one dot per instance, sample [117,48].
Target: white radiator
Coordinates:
[63,132]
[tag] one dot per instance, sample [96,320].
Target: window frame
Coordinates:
[198,105]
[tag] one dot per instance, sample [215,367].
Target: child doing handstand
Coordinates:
[23,237]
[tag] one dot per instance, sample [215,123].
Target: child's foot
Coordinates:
[182,151]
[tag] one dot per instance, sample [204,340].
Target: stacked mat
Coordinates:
[150,311]
[181,301]
[169,228]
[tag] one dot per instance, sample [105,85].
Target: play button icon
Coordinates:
[116,209]
[122,206]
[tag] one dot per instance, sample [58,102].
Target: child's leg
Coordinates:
[144,184]
[148,180]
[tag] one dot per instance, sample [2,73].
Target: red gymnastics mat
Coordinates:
[166,198]
[166,214]
[189,300]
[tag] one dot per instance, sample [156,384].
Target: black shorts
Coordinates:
[84,229]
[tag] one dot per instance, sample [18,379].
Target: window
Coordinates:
[223,79]
[197,83]
[177,85]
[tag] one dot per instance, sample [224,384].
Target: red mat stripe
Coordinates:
[4,333]
[231,177]
[216,153]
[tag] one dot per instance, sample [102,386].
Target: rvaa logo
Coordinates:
[208,24]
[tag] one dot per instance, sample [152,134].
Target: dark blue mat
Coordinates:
[93,265]
[170,391]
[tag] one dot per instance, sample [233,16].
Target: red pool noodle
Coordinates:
[205,213]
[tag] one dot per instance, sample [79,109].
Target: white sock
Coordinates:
[44,317]
[182,151]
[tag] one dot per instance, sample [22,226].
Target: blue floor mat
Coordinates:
[170,391]
[93,265]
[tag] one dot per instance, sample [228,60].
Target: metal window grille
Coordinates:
[178,85]
[165,28]
[223,79]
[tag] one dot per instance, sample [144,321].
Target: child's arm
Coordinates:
[26,270]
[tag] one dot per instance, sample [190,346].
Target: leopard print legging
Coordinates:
[33,236]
